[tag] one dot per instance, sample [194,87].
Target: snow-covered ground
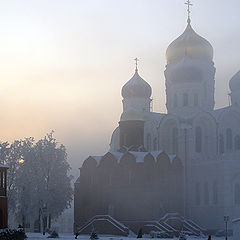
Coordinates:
[38,236]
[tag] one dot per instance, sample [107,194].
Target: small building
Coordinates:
[3,197]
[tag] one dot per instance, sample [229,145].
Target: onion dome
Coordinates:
[234,83]
[131,114]
[196,46]
[186,71]
[136,87]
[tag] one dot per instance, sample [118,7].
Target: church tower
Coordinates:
[189,73]
[136,95]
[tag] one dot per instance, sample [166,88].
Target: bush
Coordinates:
[13,234]
[54,234]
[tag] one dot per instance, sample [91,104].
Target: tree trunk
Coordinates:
[49,221]
[23,221]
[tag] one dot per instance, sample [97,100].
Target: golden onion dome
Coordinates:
[196,46]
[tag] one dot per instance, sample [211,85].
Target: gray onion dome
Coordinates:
[234,83]
[136,87]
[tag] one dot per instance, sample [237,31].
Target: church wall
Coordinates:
[207,204]
[232,177]
[129,190]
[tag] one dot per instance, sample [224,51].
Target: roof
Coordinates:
[217,112]
[139,156]
[3,166]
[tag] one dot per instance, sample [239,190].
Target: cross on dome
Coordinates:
[136,62]
[188,3]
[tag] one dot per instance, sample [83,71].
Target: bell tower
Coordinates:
[190,73]
[136,95]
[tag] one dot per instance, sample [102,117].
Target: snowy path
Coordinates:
[38,236]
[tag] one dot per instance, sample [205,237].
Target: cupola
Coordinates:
[234,83]
[136,87]
[136,94]
[196,46]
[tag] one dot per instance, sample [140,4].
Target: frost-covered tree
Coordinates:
[54,183]
[39,186]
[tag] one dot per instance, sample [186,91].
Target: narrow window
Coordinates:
[206,194]
[129,177]
[195,99]
[237,142]
[110,180]
[175,140]
[229,139]
[205,90]
[197,194]
[155,144]
[215,193]
[175,101]
[149,142]
[185,99]
[221,144]
[237,194]
[111,210]
[198,139]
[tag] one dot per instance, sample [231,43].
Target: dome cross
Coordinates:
[136,62]
[188,3]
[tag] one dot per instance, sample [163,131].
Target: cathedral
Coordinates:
[185,161]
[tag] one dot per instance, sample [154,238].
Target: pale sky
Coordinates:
[63,62]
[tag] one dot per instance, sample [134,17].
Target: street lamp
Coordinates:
[44,216]
[226,219]
[185,127]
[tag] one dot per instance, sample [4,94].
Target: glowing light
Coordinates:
[21,161]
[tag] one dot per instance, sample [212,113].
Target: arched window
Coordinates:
[229,139]
[237,194]
[221,144]
[185,99]
[237,142]
[205,89]
[195,99]
[175,140]
[129,177]
[155,144]
[206,194]
[175,101]
[197,194]
[215,193]
[111,210]
[198,139]
[110,180]
[149,142]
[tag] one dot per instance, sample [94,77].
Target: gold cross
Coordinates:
[188,3]
[136,60]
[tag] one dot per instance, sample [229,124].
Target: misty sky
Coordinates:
[63,62]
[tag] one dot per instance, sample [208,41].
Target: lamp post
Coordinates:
[185,127]
[44,216]
[226,219]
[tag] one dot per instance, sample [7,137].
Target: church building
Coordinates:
[185,161]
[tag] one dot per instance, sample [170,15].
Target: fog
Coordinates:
[63,63]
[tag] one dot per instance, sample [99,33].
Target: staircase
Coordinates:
[104,224]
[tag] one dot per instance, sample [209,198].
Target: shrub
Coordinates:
[13,234]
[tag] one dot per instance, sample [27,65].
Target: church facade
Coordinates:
[188,159]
